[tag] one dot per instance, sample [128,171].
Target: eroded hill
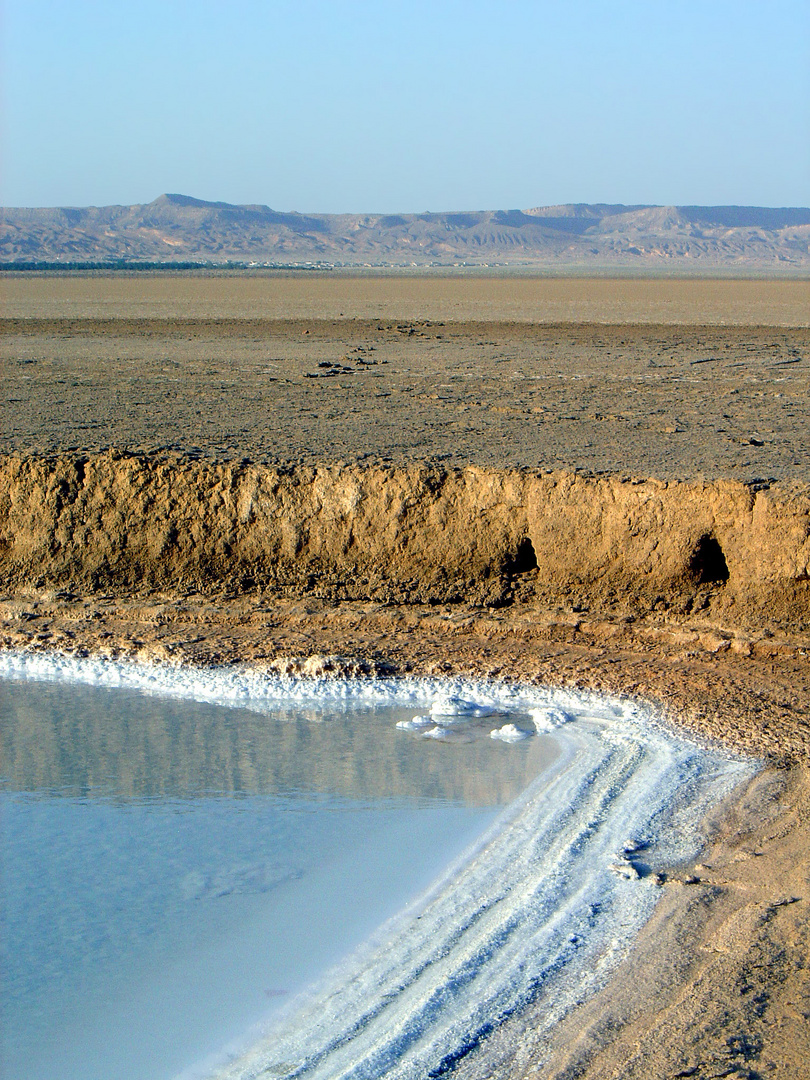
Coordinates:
[180,229]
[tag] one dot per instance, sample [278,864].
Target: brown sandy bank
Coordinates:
[737,554]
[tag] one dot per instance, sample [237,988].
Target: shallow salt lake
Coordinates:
[234,875]
[172,869]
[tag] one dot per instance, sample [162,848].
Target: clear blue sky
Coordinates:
[410,106]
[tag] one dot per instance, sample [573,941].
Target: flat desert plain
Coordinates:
[642,444]
[672,379]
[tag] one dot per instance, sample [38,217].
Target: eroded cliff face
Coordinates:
[417,534]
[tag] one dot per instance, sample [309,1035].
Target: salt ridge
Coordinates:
[536,916]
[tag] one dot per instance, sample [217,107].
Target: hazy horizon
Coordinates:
[392,210]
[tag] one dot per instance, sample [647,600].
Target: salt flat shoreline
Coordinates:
[724,955]
[754,697]
[522,1045]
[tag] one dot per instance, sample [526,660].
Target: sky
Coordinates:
[405,106]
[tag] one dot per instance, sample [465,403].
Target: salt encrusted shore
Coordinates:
[617,764]
[718,979]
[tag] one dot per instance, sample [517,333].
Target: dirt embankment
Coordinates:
[413,535]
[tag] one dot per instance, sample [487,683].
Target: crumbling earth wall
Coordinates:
[411,534]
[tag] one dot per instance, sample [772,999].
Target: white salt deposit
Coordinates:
[538,913]
[546,719]
[624,868]
[438,733]
[451,708]
[416,723]
[509,733]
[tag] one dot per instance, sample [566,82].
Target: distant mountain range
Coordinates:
[177,229]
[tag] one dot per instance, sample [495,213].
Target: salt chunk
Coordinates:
[625,869]
[447,705]
[416,723]
[631,846]
[548,719]
[437,733]
[509,733]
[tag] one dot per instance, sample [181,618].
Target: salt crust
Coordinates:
[539,911]
[448,700]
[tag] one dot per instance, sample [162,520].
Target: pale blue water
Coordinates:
[173,871]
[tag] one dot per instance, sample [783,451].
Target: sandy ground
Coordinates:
[717,985]
[473,297]
[665,401]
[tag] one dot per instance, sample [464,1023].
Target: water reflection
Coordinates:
[87,741]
